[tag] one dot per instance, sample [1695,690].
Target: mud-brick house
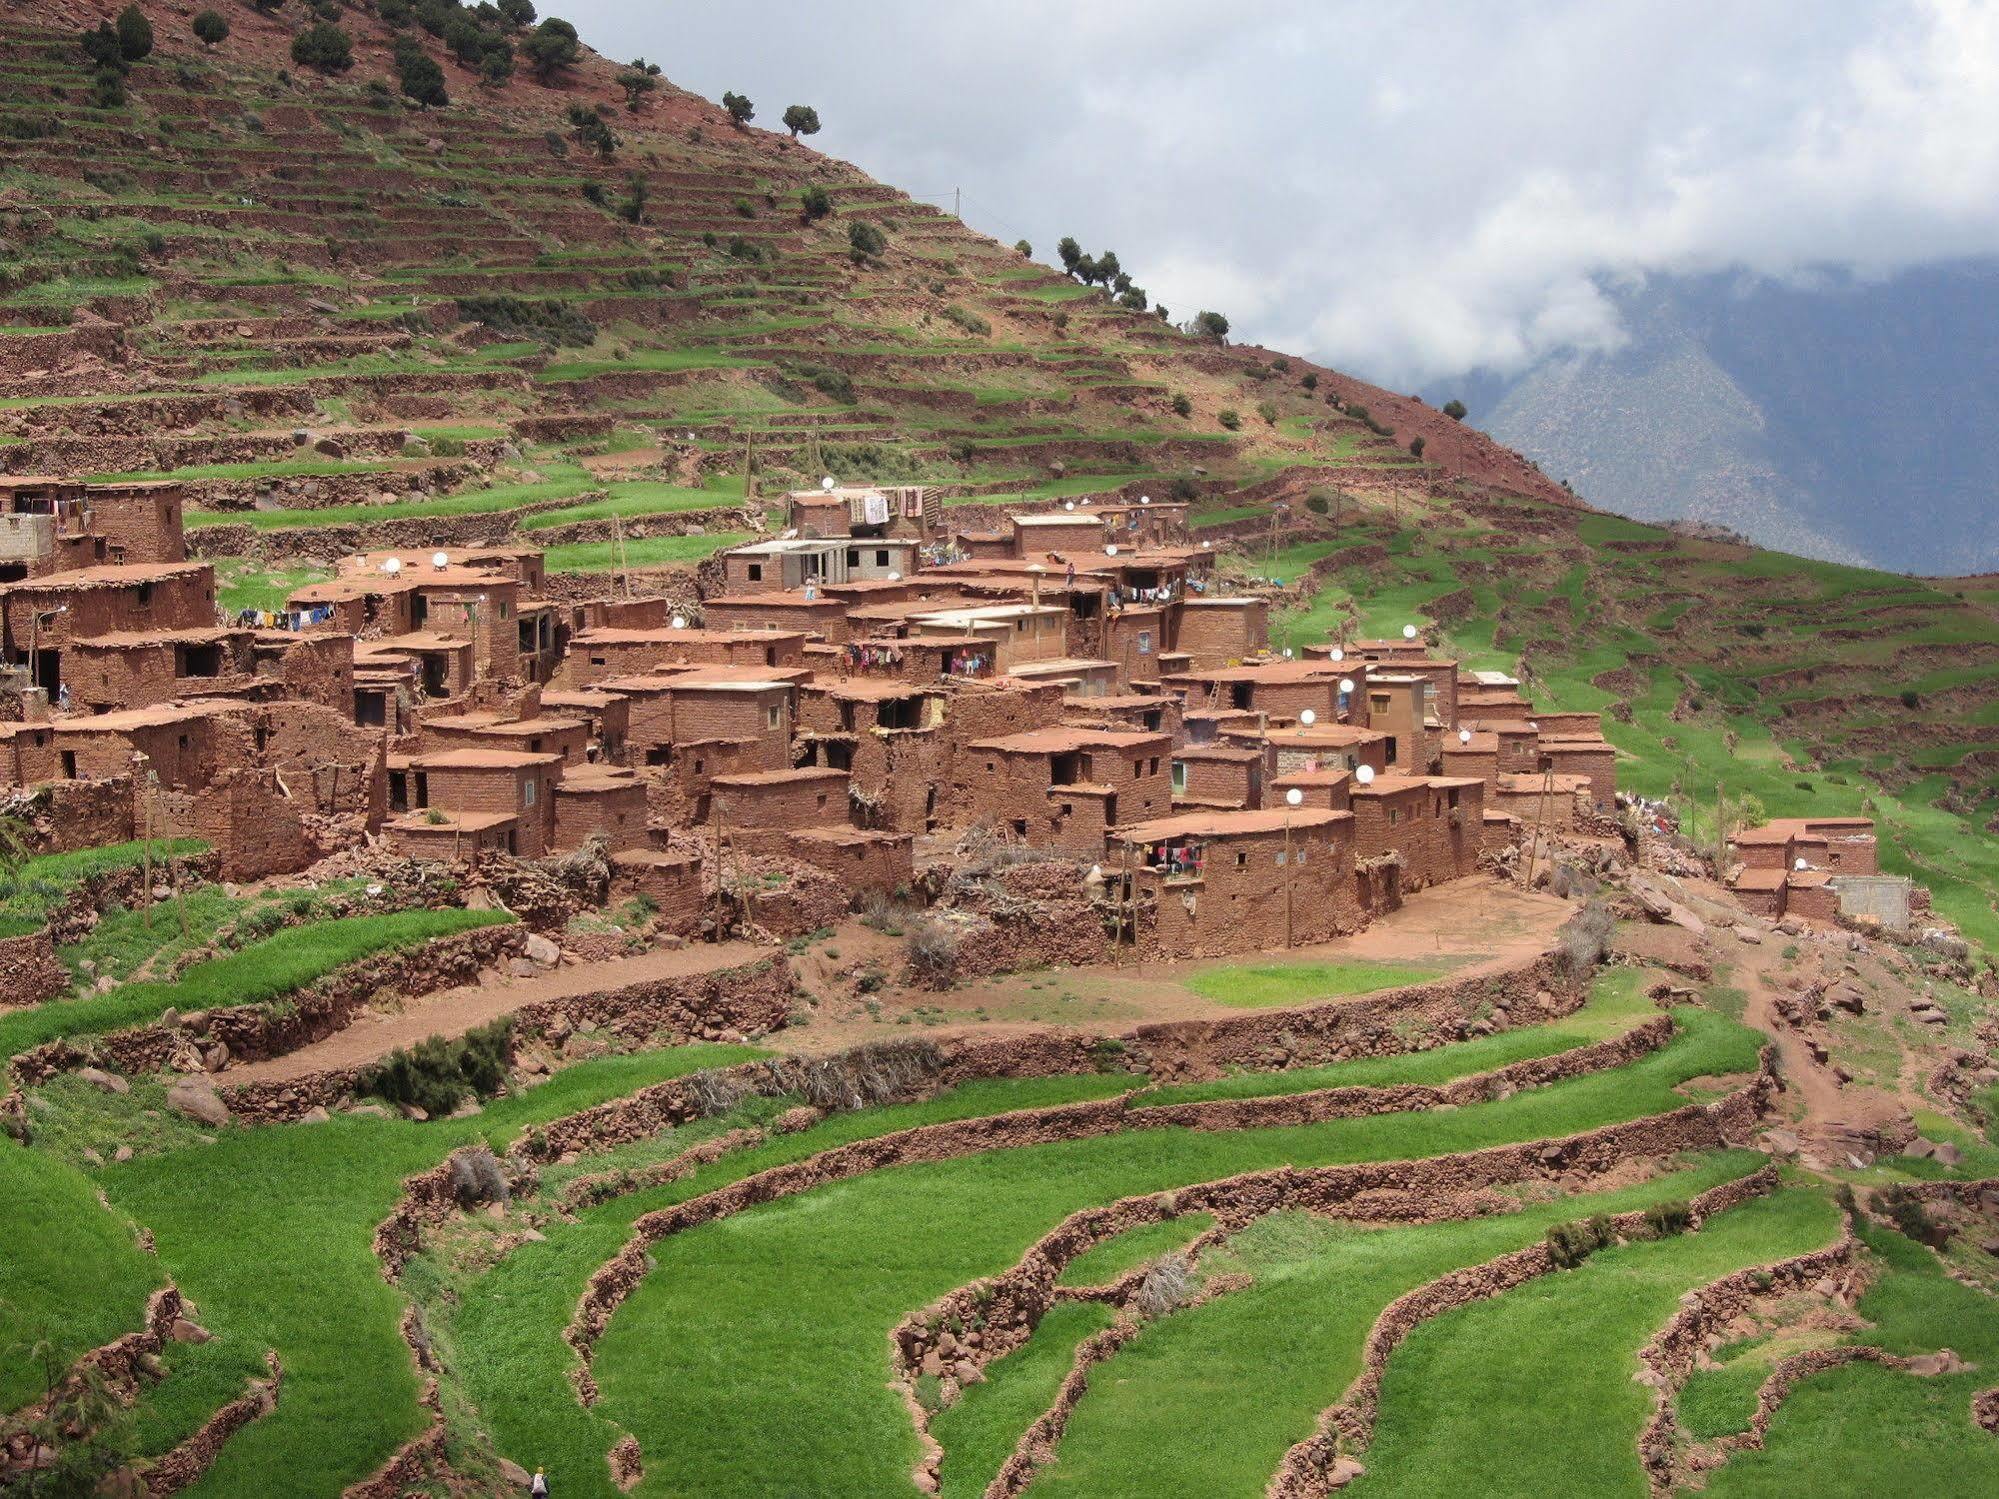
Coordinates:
[1154,712]
[596,654]
[608,714]
[422,663]
[1491,706]
[813,562]
[1516,743]
[1227,882]
[1814,867]
[814,614]
[741,706]
[885,733]
[91,525]
[1015,634]
[1222,776]
[1330,789]
[1220,631]
[600,801]
[539,734]
[1473,753]
[1592,761]
[1079,677]
[1538,800]
[1063,788]
[42,615]
[905,511]
[668,877]
[1396,707]
[804,814]
[1033,537]
[1278,690]
[1319,746]
[522,565]
[1836,845]
[497,798]
[1147,523]
[137,669]
[918,658]
[1435,823]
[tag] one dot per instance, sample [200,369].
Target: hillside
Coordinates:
[724,1021]
[1839,417]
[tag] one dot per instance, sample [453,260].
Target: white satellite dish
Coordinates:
[678,622]
[1111,550]
[1408,632]
[1293,797]
[1145,499]
[1535,727]
[827,484]
[1068,504]
[440,560]
[1086,499]
[1338,654]
[1365,775]
[392,566]
[1346,684]
[1464,736]
[1287,653]
[1206,544]
[1800,865]
[894,577]
[1308,718]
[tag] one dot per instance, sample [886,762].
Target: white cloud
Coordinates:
[1405,191]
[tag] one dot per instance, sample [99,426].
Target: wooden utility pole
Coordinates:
[749,467]
[1540,818]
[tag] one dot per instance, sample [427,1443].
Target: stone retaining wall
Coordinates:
[195,1456]
[29,972]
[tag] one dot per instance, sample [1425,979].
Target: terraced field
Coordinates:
[1083,1283]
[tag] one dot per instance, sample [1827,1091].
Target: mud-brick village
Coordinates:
[670,825]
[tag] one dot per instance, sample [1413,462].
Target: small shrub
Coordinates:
[1024,248]
[971,322]
[476,1177]
[1182,406]
[1569,1244]
[556,323]
[815,203]
[1228,418]
[1318,502]
[1168,1282]
[135,34]
[1310,380]
[1911,698]
[1416,447]
[745,209]
[1455,410]
[210,28]
[1911,1217]
[324,47]
[1584,937]
[1665,1219]
[865,242]
[933,950]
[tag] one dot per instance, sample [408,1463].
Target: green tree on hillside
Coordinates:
[498,65]
[518,13]
[135,34]
[551,47]
[1070,254]
[101,46]
[1209,325]
[865,242]
[640,79]
[592,131]
[815,203]
[325,47]
[1455,410]
[420,76]
[210,28]
[1024,248]
[741,111]
[801,119]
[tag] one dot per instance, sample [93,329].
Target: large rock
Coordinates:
[540,950]
[107,1082]
[196,1098]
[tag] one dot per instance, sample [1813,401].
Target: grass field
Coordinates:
[1251,985]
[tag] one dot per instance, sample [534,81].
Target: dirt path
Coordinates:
[1467,927]
[452,1012]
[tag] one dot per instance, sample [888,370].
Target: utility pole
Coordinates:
[957,203]
[621,578]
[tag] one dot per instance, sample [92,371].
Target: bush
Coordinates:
[550,48]
[741,111]
[1911,1218]
[516,13]
[971,322]
[834,383]
[324,47]
[745,209]
[1168,1282]
[1569,1244]
[1311,380]
[1228,418]
[107,89]
[1584,938]
[1318,502]
[815,203]
[1911,698]
[1455,410]
[1665,1219]
[436,1075]
[1181,405]
[1025,249]
[1416,447]
[101,46]
[557,323]
[210,28]
[135,34]
[865,242]
[420,76]
[1268,412]
[639,80]
[933,951]
[1209,325]
[476,1177]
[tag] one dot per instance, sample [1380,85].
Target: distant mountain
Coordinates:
[1849,419]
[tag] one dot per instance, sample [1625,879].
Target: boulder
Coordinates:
[523,968]
[196,1099]
[314,1115]
[1746,934]
[184,1331]
[966,1372]
[1343,1472]
[122,1153]
[514,1474]
[1947,1154]
[105,1082]
[540,950]
[1781,1142]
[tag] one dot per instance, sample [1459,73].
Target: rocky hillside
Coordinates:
[541,312]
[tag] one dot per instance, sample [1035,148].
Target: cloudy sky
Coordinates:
[1404,190]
